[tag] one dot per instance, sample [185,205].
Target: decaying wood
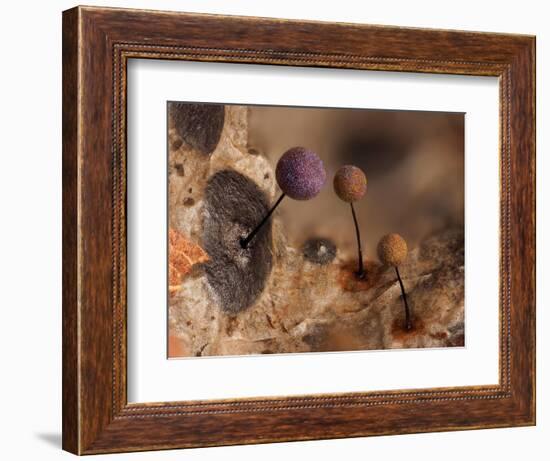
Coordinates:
[276,298]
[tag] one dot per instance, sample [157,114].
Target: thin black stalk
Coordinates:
[360,269]
[408,321]
[248,239]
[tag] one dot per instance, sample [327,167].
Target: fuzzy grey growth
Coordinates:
[199,125]
[319,250]
[234,206]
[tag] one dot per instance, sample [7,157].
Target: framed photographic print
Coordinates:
[281,230]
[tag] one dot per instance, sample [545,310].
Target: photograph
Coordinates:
[313,229]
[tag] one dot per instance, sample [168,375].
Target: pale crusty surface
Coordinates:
[304,306]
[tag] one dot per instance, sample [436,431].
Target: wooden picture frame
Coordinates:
[97,43]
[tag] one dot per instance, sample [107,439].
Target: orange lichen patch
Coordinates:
[350,282]
[400,333]
[174,276]
[182,255]
[174,279]
[177,347]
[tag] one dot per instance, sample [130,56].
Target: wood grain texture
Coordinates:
[70,384]
[97,43]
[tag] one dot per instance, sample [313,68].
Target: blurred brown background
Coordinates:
[414,162]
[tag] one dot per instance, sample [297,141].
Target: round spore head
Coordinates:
[392,249]
[350,183]
[300,173]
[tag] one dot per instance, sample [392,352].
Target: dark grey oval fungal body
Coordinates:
[199,125]
[319,250]
[234,206]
